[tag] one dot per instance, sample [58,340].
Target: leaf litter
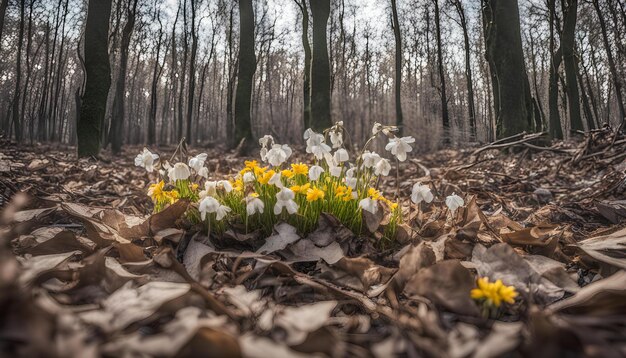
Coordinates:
[84,272]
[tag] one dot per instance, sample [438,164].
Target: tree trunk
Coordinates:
[397,81]
[513,104]
[554,127]
[116,135]
[15,112]
[245,73]
[612,67]
[306,92]
[442,77]
[471,107]
[98,74]
[568,43]
[156,71]
[320,67]
[192,73]
[3,10]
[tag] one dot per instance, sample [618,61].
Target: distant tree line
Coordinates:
[101,73]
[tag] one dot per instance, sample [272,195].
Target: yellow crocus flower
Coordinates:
[314,194]
[300,189]
[300,169]
[493,293]
[287,173]
[266,176]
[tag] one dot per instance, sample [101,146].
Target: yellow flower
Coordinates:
[251,164]
[258,171]
[172,196]
[237,184]
[300,189]
[343,192]
[300,169]
[157,193]
[244,171]
[493,293]
[254,195]
[314,194]
[373,193]
[193,186]
[266,176]
[287,173]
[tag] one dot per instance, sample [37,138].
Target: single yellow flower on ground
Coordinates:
[300,189]
[300,169]
[493,293]
[314,194]
[266,176]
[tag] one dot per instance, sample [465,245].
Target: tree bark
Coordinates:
[116,134]
[568,43]
[15,112]
[192,73]
[98,74]
[513,103]
[398,66]
[471,107]
[554,127]
[3,10]
[442,76]
[320,67]
[306,85]
[245,73]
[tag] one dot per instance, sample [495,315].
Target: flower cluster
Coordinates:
[272,190]
[491,295]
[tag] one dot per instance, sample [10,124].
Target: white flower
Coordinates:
[376,128]
[315,144]
[335,171]
[226,185]
[370,159]
[221,212]
[278,154]
[341,155]
[421,193]
[350,173]
[351,182]
[208,205]
[454,202]
[210,189]
[382,167]
[254,205]
[146,160]
[400,146]
[284,200]
[266,141]
[196,163]
[336,138]
[180,171]
[369,204]
[248,177]
[275,180]
[204,172]
[315,171]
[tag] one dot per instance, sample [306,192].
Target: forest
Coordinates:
[327,178]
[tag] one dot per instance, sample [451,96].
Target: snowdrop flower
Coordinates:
[278,154]
[196,163]
[315,144]
[382,167]
[369,204]
[335,171]
[265,143]
[221,212]
[203,172]
[254,205]
[276,180]
[370,159]
[454,202]
[208,205]
[226,185]
[341,155]
[248,177]
[400,146]
[146,160]
[315,172]
[284,200]
[336,134]
[421,193]
[180,171]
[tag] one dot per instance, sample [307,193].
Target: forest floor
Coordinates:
[85,271]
